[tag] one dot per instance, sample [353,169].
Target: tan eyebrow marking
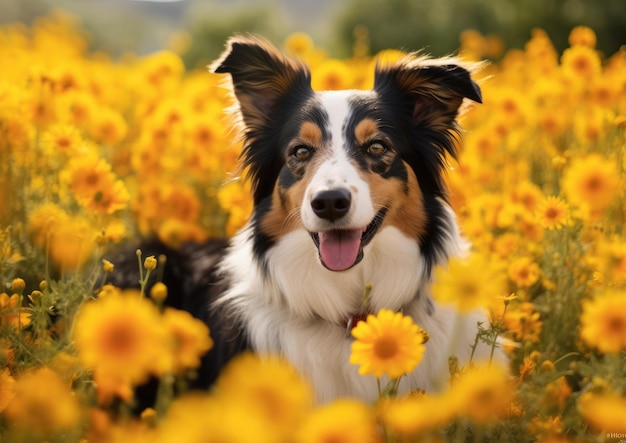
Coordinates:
[365,130]
[311,133]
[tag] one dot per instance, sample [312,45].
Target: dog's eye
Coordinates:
[376,149]
[301,152]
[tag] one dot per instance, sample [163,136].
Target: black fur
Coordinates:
[193,285]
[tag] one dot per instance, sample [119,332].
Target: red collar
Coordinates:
[353,320]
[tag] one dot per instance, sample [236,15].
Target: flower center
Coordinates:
[616,325]
[385,348]
[120,340]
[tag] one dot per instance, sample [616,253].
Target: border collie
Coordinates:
[348,191]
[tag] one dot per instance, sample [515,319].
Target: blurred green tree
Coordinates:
[210,30]
[436,25]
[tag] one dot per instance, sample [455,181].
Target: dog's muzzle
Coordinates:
[341,249]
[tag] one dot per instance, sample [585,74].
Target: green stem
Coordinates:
[497,329]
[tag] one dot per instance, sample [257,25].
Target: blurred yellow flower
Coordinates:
[523,323]
[581,62]
[387,343]
[582,36]
[190,338]
[604,412]
[11,313]
[234,198]
[528,195]
[122,337]
[43,221]
[342,421]
[196,418]
[524,272]
[43,405]
[469,283]
[299,44]
[411,416]
[7,388]
[174,232]
[332,75]
[611,258]
[592,181]
[108,127]
[276,391]
[63,139]
[72,243]
[484,392]
[603,321]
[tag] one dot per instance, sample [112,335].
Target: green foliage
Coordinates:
[436,25]
[211,29]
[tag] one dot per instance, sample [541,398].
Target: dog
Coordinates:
[348,191]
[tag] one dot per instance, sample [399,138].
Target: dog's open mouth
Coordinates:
[341,249]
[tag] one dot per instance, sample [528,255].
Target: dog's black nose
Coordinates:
[332,204]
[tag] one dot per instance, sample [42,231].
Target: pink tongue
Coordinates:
[339,249]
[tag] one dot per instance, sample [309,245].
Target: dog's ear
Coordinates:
[434,88]
[261,76]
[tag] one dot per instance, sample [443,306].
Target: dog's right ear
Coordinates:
[261,76]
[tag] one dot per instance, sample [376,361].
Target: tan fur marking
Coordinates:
[285,217]
[311,133]
[406,211]
[365,130]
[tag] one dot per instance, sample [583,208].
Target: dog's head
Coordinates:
[343,165]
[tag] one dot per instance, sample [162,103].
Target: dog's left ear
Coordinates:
[261,76]
[435,88]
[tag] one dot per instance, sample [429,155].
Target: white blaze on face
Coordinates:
[340,239]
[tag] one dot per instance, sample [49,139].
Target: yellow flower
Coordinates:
[528,195]
[485,392]
[107,266]
[603,322]
[604,412]
[122,337]
[11,313]
[174,233]
[411,416]
[181,202]
[43,404]
[299,44]
[524,323]
[150,263]
[612,260]
[196,418]
[556,392]
[62,139]
[331,75]
[469,283]
[158,292]
[276,392]
[524,272]
[592,181]
[108,127]
[72,243]
[43,221]
[190,336]
[581,62]
[18,285]
[552,212]
[234,198]
[343,421]
[582,36]
[7,389]
[95,186]
[387,343]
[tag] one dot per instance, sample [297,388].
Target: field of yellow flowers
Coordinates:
[96,151]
